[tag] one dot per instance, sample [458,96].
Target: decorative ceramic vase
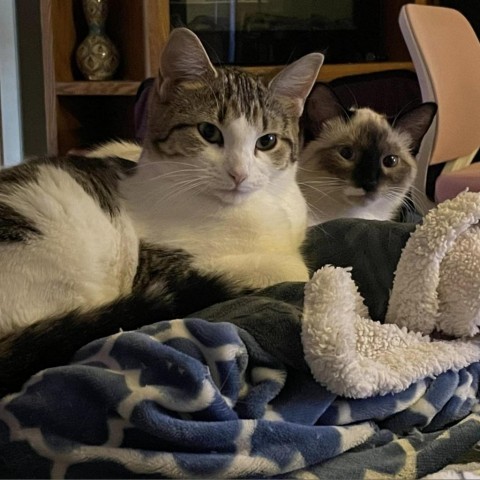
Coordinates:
[97,56]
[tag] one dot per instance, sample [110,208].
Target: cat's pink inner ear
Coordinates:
[296,81]
[184,58]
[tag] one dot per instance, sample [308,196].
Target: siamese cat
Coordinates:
[358,163]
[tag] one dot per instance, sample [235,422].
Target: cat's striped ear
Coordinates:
[183,58]
[295,81]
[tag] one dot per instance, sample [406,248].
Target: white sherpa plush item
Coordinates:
[437,281]
[356,357]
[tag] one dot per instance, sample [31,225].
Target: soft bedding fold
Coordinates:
[190,398]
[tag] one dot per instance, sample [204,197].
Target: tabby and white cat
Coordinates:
[355,163]
[91,246]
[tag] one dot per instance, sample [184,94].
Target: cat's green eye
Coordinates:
[266,142]
[346,152]
[210,133]
[390,161]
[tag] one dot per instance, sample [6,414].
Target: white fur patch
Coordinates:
[354,192]
[121,149]
[81,259]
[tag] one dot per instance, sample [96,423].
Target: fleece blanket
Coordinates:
[237,390]
[189,398]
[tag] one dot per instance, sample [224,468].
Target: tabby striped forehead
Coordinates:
[241,95]
[230,95]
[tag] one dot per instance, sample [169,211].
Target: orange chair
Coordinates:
[446,55]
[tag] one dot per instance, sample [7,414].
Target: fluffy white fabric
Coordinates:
[436,287]
[437,282]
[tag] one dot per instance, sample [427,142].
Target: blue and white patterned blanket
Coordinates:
[228,394]
[190,398]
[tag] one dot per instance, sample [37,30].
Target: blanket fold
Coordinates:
[190,398]
[356,357]
[176,399]
[437,281]
[435,288]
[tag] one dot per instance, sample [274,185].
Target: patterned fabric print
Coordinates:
[429,405]
[191,398]
[418,454]
[176,399]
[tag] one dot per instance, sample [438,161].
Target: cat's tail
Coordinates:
[53,341]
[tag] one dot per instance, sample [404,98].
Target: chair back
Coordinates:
[446,54]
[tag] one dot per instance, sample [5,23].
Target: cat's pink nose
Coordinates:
[237,176]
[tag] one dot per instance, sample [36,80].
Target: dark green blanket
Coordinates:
[371,248]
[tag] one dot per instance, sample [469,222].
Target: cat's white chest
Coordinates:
[382,208]
[255,243]
[252,248]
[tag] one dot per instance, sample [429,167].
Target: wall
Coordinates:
[21,82]
[11,152]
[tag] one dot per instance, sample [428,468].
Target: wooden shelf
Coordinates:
[331,71]
[129,88]
[79,112]
[117,87]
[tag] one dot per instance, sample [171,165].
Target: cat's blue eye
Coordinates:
[210,133]
[390,161]
[266,142]
[346,152]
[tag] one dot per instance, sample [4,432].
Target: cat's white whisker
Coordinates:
[170,188]
[158,164]
[322,188]
[315,210]
[418,198]
[184,173]
[303,169]
[325,193]
[325,183]
[182,188]
[321,193]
